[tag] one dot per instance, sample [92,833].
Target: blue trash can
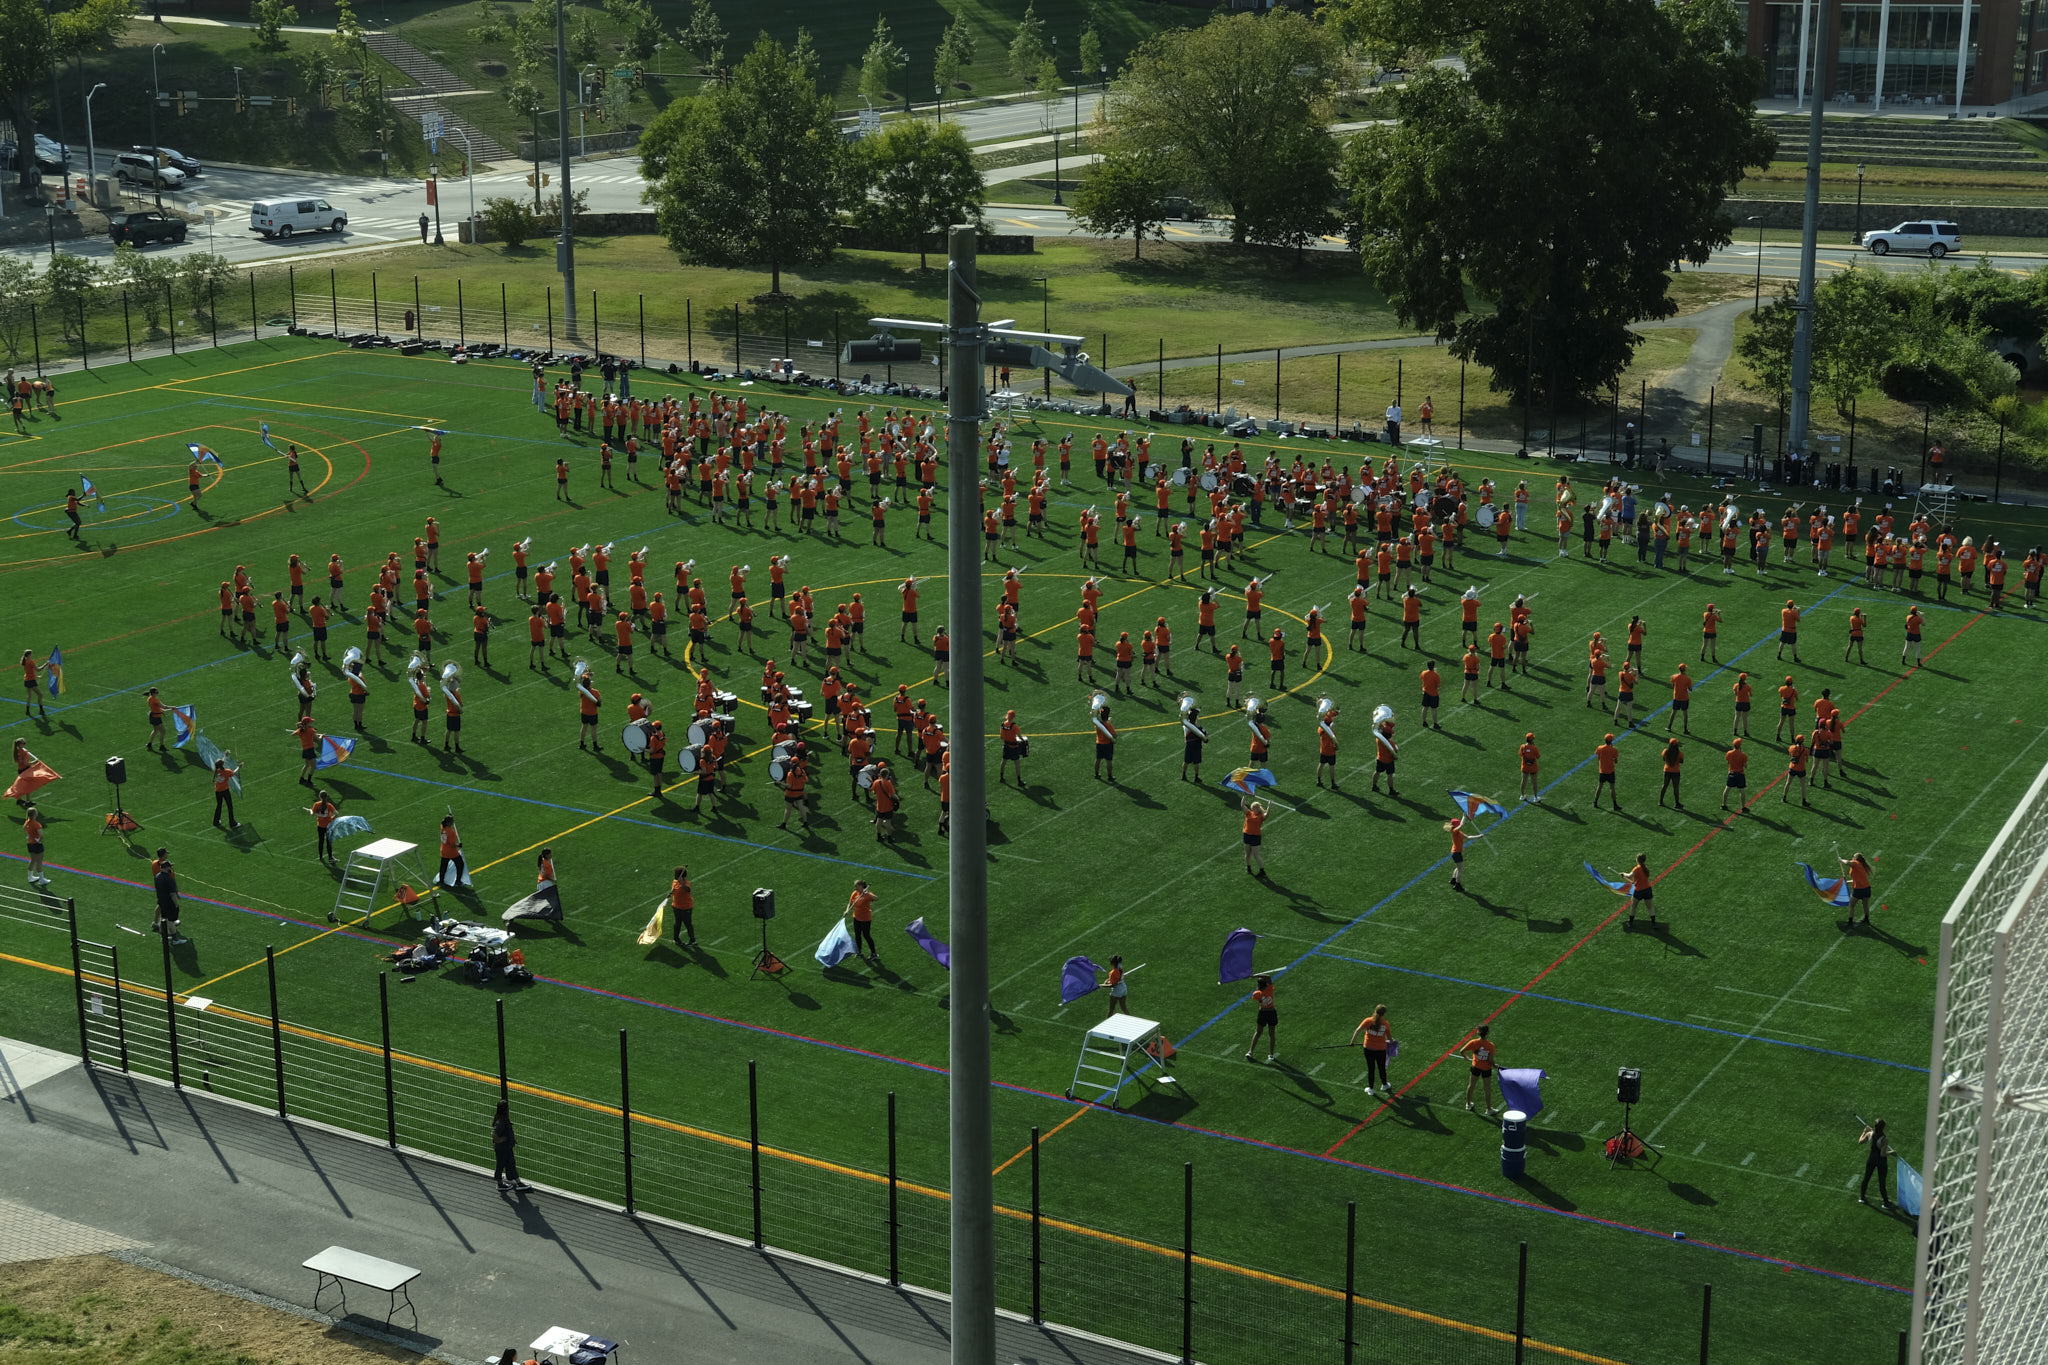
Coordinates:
[1514,1148]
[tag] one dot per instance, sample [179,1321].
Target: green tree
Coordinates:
[508,220]
[753,172]
[533,34]
[36,39]
[271,16]
[525,98]
[18,293]
[1028,49]
[491,26]
[68,282]
[1621,128]
[350,54]
[920,179]
[316,72]
[206,278]
[1299,202]
[1222,102]
[1125,192]
[881,63]
[955,52]
[1046,86]
[1857,331]
[584,43]
[704,37]
[1091,56]
[642,29]
[145,280]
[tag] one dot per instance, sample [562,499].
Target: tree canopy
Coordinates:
[919,179]
[37,36]
[1534,204]
[1126,192]
[752,172]
[1239,108]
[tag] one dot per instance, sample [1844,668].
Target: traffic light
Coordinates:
[241,103]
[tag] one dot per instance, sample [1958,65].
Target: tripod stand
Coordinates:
[766,963]
[1625,1145]
[118,820]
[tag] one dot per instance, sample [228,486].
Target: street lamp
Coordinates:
[1044,283]
[1056,168]
[92,179]
[238,89]
[154,95]
[1857,240]
[1757,302]
[939,101]
[50,213]
[434,179]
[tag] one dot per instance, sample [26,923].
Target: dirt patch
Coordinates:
[1693,290]
[103,1309]
[491,68]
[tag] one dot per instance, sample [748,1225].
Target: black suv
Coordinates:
[145,226]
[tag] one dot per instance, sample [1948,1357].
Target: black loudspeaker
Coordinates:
[117,770]
[764,903]
[410,348]
[1628,1086]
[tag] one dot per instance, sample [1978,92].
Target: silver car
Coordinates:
[1935,239]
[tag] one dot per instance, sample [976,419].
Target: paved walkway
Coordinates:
[97,1161]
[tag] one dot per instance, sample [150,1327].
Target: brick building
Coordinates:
[1908,45]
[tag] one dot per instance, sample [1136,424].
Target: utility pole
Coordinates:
[973,1185]
[1809,241]
[565,249]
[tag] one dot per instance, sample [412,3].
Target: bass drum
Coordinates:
[1241,485]
[777,770]
[1208,482]
[700,733]
[686,761]
[1180,477]
[1359,494]
[1487,514]
[865,778]
[635,737]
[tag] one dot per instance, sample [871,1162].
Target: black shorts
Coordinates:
[1267,1018]
[1383,765]
[306,755]
[1642,894]
[910,618]
[558,629]
[661,630]
[156,722]
[1737,780]
[1628,698]
[1191,751]
[1787,711]
[1859,893]
[1013,753]
[454,724]
[1485,1072]
[1205,632]
[1741,707]
[1788,637]
[1473,677]
[1606,779]
[1326,760]
[1457,857]
[1429,703]
[1104,749]
[1677,705]
[419,713]
[35,850]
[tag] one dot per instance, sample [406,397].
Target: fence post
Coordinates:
[1642,415]
[85,1038]
[895,1270]
[690,337]
[1462,362]
[1852,429]
[376,312]
[835,347]
[1521,1301]
[626,1120]
[1905,1351]
[785,330]
[504,1084]
[36,335]
[120,1011]
[127,333]
[1276,383]
[735,337]
[1187,1264]
[84,346]
[171,1012]
[595,345]
[1351,1273]
[1397,380]
[1037,1301]
[1706,1320]
[504,319]
[1161,377]
[276,1029]
[213,312]
[291,284]
[1613,422]
[1339,417]
[419,314]
[461,323]
[390,1093]
[643,331]
[1219,377]
[754,1125]
[1710,429]
[255,326]
[333,302]
[551,319]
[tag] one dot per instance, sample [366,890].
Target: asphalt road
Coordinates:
[1024,118]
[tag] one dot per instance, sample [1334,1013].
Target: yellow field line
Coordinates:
[855,1173]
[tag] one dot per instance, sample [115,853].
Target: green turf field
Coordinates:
[1760,1027]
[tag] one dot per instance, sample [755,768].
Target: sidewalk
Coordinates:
[228,1194]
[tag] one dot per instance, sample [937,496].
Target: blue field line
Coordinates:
[649,824]
[1318,949]
[1611,1009]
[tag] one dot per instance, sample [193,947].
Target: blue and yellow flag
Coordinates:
[53,672]
[1470,804]
[203,455]
[334,749]
[88,489]
[185,720]
[1245,781]
[1833,890]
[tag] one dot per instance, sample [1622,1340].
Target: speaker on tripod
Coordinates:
[766,963]
[1625,1145]
[118,820]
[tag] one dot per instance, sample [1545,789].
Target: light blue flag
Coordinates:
[1469,804]
[941,953]
[1245,781]
[202,454]
[1611,885]
[1833,890]
[89,489]
[210,754]
[837,947]
[185,720]
[334,749]
[266,434]
[348,827]
[1909,1188]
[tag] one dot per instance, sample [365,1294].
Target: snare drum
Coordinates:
[1024,746]
[725,702]
[782,752]
[1153,471]
[699,733]
[866,778]
[802,711]
[1208,482]
[1241,485]
[686,761]
[634,737]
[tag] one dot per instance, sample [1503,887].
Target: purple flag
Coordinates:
[1077,978]
[1522,1088]
[941,954]
[1236,962]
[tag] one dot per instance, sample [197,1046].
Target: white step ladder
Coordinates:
[1108,1052]
[362,877]
[1935,503]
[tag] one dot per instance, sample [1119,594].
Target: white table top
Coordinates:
[373,1271]
[386,848]
[1127,1029]
[558,1341]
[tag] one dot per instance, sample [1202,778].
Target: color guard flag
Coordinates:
[1235,964]
[202,454]
[53,672]
[1909,1188]
[348,827]
[266,434]
[91,490]
[34,777]
[185,720]
[334,749]
[1610,885]
[941,953]
[1522,1088]
[1245,781]
[837,947]
[1077,978]
[653,930]
[1471,805]
[1833,890]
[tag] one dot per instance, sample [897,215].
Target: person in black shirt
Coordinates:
[506,1169]
[1874,1163]
[167,903]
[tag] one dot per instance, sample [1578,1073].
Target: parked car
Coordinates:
[1183,208]
[140,168]
[145,226]
[171,156]
[51,157]
[1936,239]
[283,217]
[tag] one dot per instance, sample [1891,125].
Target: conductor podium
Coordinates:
[1112,1052]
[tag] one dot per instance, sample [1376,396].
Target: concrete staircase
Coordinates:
[1967,144]
[432,81]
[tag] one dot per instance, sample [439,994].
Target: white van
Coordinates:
[283,217]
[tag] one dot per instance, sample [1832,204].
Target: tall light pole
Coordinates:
[939,101]
[1809,243]
[1056,168]
[1044,283]
[1758,301]
[1857,240]
[565,249]
[92,179]
[155,92]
